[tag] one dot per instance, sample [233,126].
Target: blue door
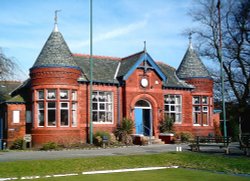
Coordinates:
[139,120]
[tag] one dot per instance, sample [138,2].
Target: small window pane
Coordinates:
[64,117]
[51,105]
[41,118]
[74,115]
[94,97]
[74,95]
[204,100]
[197,108]
[64,105]
[102,116]
[196,100]
[64,94]
[101,97]
[205,109]
[40,105]
[52,117]
[102,106]
[95,106]
[95,116]
[51,94]
[40,94]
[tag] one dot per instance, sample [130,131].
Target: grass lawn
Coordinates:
[77,165]
[156,175]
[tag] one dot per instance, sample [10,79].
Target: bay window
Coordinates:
[56,107]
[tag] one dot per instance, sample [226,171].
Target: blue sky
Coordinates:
[119,28]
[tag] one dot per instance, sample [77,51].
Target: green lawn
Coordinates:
[156,175]
[77,165]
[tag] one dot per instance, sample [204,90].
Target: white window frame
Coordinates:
[201,105]
[98,110]
[74,114]
[176,104]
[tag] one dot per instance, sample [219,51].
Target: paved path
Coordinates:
[131,150]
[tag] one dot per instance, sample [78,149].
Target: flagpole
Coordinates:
[222,72]
[91,78]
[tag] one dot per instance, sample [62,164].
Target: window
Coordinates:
[51,113]
[64,94]
[64,114]
[56,107]
[200,110]
[74,95]
[74,114]
[28,117]
[102,107]
[16,116]
[40,114]
[51,94]
[172,107]
[40,94]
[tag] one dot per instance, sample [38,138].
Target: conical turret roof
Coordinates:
[55,53]
[192,66]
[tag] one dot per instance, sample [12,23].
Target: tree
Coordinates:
[235,26]
[7,66]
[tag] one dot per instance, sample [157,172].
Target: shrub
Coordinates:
[98,137]
[124,131]
[50,146]
[186,136]
[17,144]
[166,125]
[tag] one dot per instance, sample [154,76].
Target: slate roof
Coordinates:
[104,68]
[172,80]
[128,62]
[6,87]
[192,66]
[55,53]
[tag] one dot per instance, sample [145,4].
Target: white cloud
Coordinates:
[117,32]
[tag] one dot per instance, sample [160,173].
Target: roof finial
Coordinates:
[56,28]
[190,40]
[145,46]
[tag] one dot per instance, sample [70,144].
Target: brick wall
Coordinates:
[15,130]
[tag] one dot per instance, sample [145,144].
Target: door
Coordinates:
[139,120]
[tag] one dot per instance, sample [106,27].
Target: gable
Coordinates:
[144,61]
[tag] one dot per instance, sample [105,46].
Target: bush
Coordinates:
[98,137]
[17,144]
[186,136]
[166,125]
[50,146]
[124,131]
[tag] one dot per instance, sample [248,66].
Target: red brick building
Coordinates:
[54,104]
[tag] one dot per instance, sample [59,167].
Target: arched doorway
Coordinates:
[143,118]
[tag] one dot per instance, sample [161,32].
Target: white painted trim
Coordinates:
[117,70]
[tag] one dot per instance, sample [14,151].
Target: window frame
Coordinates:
[174,105]
[202,104]
[105,103]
